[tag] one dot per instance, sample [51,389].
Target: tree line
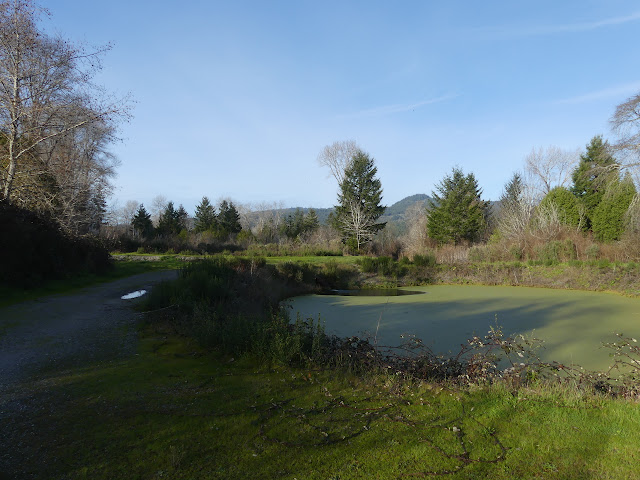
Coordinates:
[558,191]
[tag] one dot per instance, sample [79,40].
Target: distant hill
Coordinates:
[400,207]
[395,215]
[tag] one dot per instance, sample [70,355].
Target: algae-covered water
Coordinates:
[573,324]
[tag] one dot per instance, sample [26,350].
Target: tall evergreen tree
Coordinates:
[299,224]
[141,222]
[359,202]
[513,193]
[229,218]
[205,217]
[169,222]
[293,225]
[182,218]
[311,221]
[457,212]
[592,175]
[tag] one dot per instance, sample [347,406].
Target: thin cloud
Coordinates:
[618,91]
[568,27]
[397,108]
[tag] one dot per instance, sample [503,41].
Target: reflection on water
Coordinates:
[136,294]
[373,292]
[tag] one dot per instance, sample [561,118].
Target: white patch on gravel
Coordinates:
[136,294]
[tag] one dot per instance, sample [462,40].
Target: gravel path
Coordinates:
[58,331]
[43,337]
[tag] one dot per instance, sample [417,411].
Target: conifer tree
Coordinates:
[592,175]
[311,221]
[457,213]
[229,218]
[359,202]
[182,218]
[169,222]
[141,223]
[205,217]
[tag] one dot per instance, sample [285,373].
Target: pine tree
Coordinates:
[229,218]
[513,193]
[205,217]
[457,213]
[293,225]
[592,175]
[141,223]
[311,222]
[169,222]
[182,218]
[359,199]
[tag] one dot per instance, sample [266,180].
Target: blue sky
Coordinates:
[237,98]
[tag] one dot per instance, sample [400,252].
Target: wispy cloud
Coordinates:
[567,27]
[397,108]
[617,91]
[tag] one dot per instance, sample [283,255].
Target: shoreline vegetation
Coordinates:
[217,355]
[589,275]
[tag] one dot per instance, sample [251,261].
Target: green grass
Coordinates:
[122,269]
[342,260]
[174,411]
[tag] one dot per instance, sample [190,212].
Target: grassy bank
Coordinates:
[623,278]
[223,387]
[177,411]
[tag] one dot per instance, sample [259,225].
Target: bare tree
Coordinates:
[49,107]
[266,219]
[547,168]
[359,223]
[516,208]
[546,222]
[625,122]
[158,204]
[416,237]
[337,157]
[128,212]
[632,217]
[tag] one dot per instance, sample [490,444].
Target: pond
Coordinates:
[572,324]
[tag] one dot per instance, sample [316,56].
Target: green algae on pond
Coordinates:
[573,324]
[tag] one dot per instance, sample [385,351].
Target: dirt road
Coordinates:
[62,330]
[40,339]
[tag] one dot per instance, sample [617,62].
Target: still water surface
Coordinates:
[573,324]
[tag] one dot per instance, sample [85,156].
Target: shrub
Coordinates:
[608,219]
[368,264]
[593,251]
[36,250]
[515,252]
[427,260]
[386,266]
[478,254]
